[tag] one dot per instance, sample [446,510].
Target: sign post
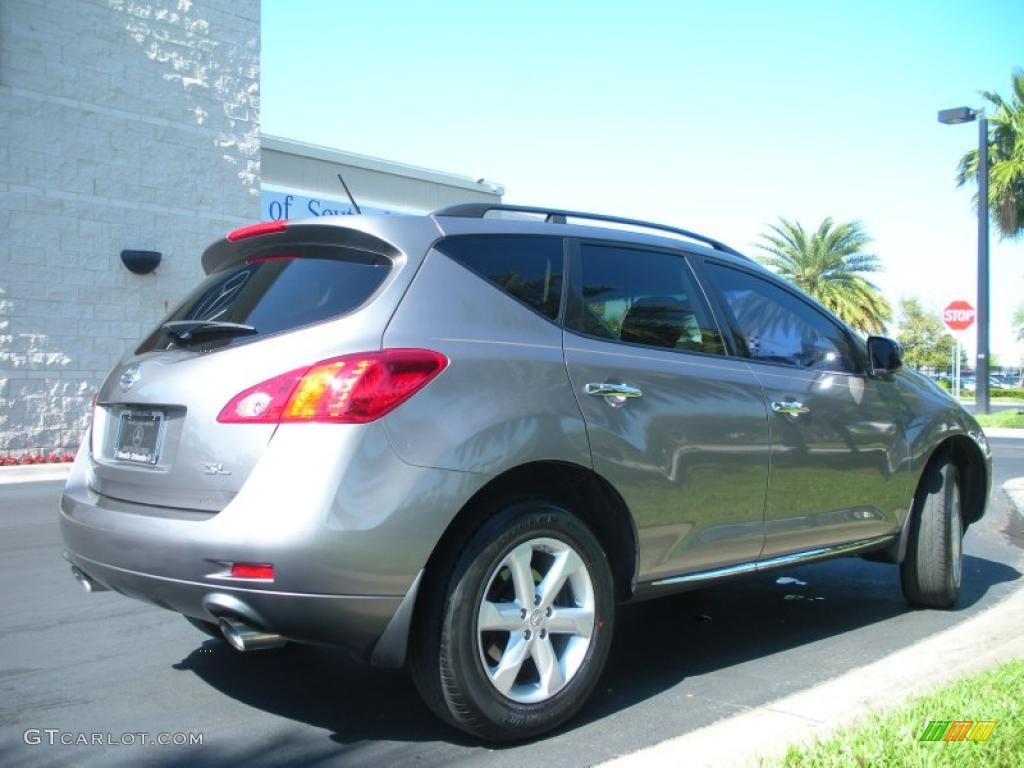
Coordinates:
[958,316]
[956,368]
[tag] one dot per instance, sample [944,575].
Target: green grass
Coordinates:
[892,739]
[1010,417]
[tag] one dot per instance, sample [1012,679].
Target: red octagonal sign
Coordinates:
[958,316]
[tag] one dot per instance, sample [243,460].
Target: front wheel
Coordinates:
[932,569]
[514,643]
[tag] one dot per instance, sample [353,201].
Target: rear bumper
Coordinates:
[355,622]
[347,525]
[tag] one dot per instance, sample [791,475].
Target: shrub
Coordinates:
[1012,393]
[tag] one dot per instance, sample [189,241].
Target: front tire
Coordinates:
[513,642]
[932,570]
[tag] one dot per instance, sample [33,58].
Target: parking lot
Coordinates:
[104,664]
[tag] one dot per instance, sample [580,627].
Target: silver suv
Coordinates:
[457,441]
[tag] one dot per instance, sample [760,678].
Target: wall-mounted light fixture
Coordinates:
[141,262]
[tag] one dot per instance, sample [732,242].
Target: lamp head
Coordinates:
[957,115]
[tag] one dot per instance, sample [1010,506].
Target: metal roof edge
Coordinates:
[341,157]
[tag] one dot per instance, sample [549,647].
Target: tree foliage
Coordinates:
[923,337]
[1006,159]
[830,264]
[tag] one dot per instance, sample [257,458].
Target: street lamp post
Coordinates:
[954,117]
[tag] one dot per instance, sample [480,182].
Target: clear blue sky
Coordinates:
[714,116]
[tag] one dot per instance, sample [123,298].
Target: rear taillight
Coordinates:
[262,571]
[352,389]
[263,228]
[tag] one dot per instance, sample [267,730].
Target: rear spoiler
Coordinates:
[263,239]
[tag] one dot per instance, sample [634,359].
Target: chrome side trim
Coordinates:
[819,553]
[716,573]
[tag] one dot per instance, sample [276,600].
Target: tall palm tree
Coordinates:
[1006,160]
[830,265]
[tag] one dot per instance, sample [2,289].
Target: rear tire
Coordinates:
[499,651]
[932,570]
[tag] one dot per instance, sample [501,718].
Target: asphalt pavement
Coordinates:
[104,664]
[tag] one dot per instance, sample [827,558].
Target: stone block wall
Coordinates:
[123,125]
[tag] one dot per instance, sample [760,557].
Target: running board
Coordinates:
[797,558]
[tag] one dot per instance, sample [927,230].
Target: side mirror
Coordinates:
[885,355]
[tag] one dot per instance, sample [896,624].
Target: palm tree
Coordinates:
[830,265]
[1006,160]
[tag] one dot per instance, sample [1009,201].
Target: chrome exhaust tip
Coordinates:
[88,584]
[247,638]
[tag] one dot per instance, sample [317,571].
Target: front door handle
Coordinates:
[613,394]
[789,407]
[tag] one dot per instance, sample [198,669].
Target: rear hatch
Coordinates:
[275,300]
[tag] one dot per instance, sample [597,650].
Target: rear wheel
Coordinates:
[932,569]
[512,644]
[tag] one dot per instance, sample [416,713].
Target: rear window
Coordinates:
[274,293]
[527,268]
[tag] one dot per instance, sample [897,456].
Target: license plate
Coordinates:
[138,436]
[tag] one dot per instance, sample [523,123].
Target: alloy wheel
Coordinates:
[536,620]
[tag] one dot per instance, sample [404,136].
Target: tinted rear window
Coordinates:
[527,268]
[278,292]
[642,297]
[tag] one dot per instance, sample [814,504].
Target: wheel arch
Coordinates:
[579,488]
[973,470]
[583,491]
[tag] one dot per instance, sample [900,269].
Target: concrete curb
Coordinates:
[33,473]
[978,643]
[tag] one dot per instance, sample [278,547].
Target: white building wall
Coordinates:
[123,124]
[312,171]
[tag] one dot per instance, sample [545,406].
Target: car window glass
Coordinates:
[277,292]
[772,325]
[527,268]
[643,297]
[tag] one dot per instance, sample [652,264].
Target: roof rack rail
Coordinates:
[557,216]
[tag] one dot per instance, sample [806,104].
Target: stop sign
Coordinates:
[958,316]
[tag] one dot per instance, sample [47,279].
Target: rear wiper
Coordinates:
[183,330]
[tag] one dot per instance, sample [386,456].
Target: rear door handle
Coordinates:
[789,407]
[613,394]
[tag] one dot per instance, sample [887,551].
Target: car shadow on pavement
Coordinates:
[658,644]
